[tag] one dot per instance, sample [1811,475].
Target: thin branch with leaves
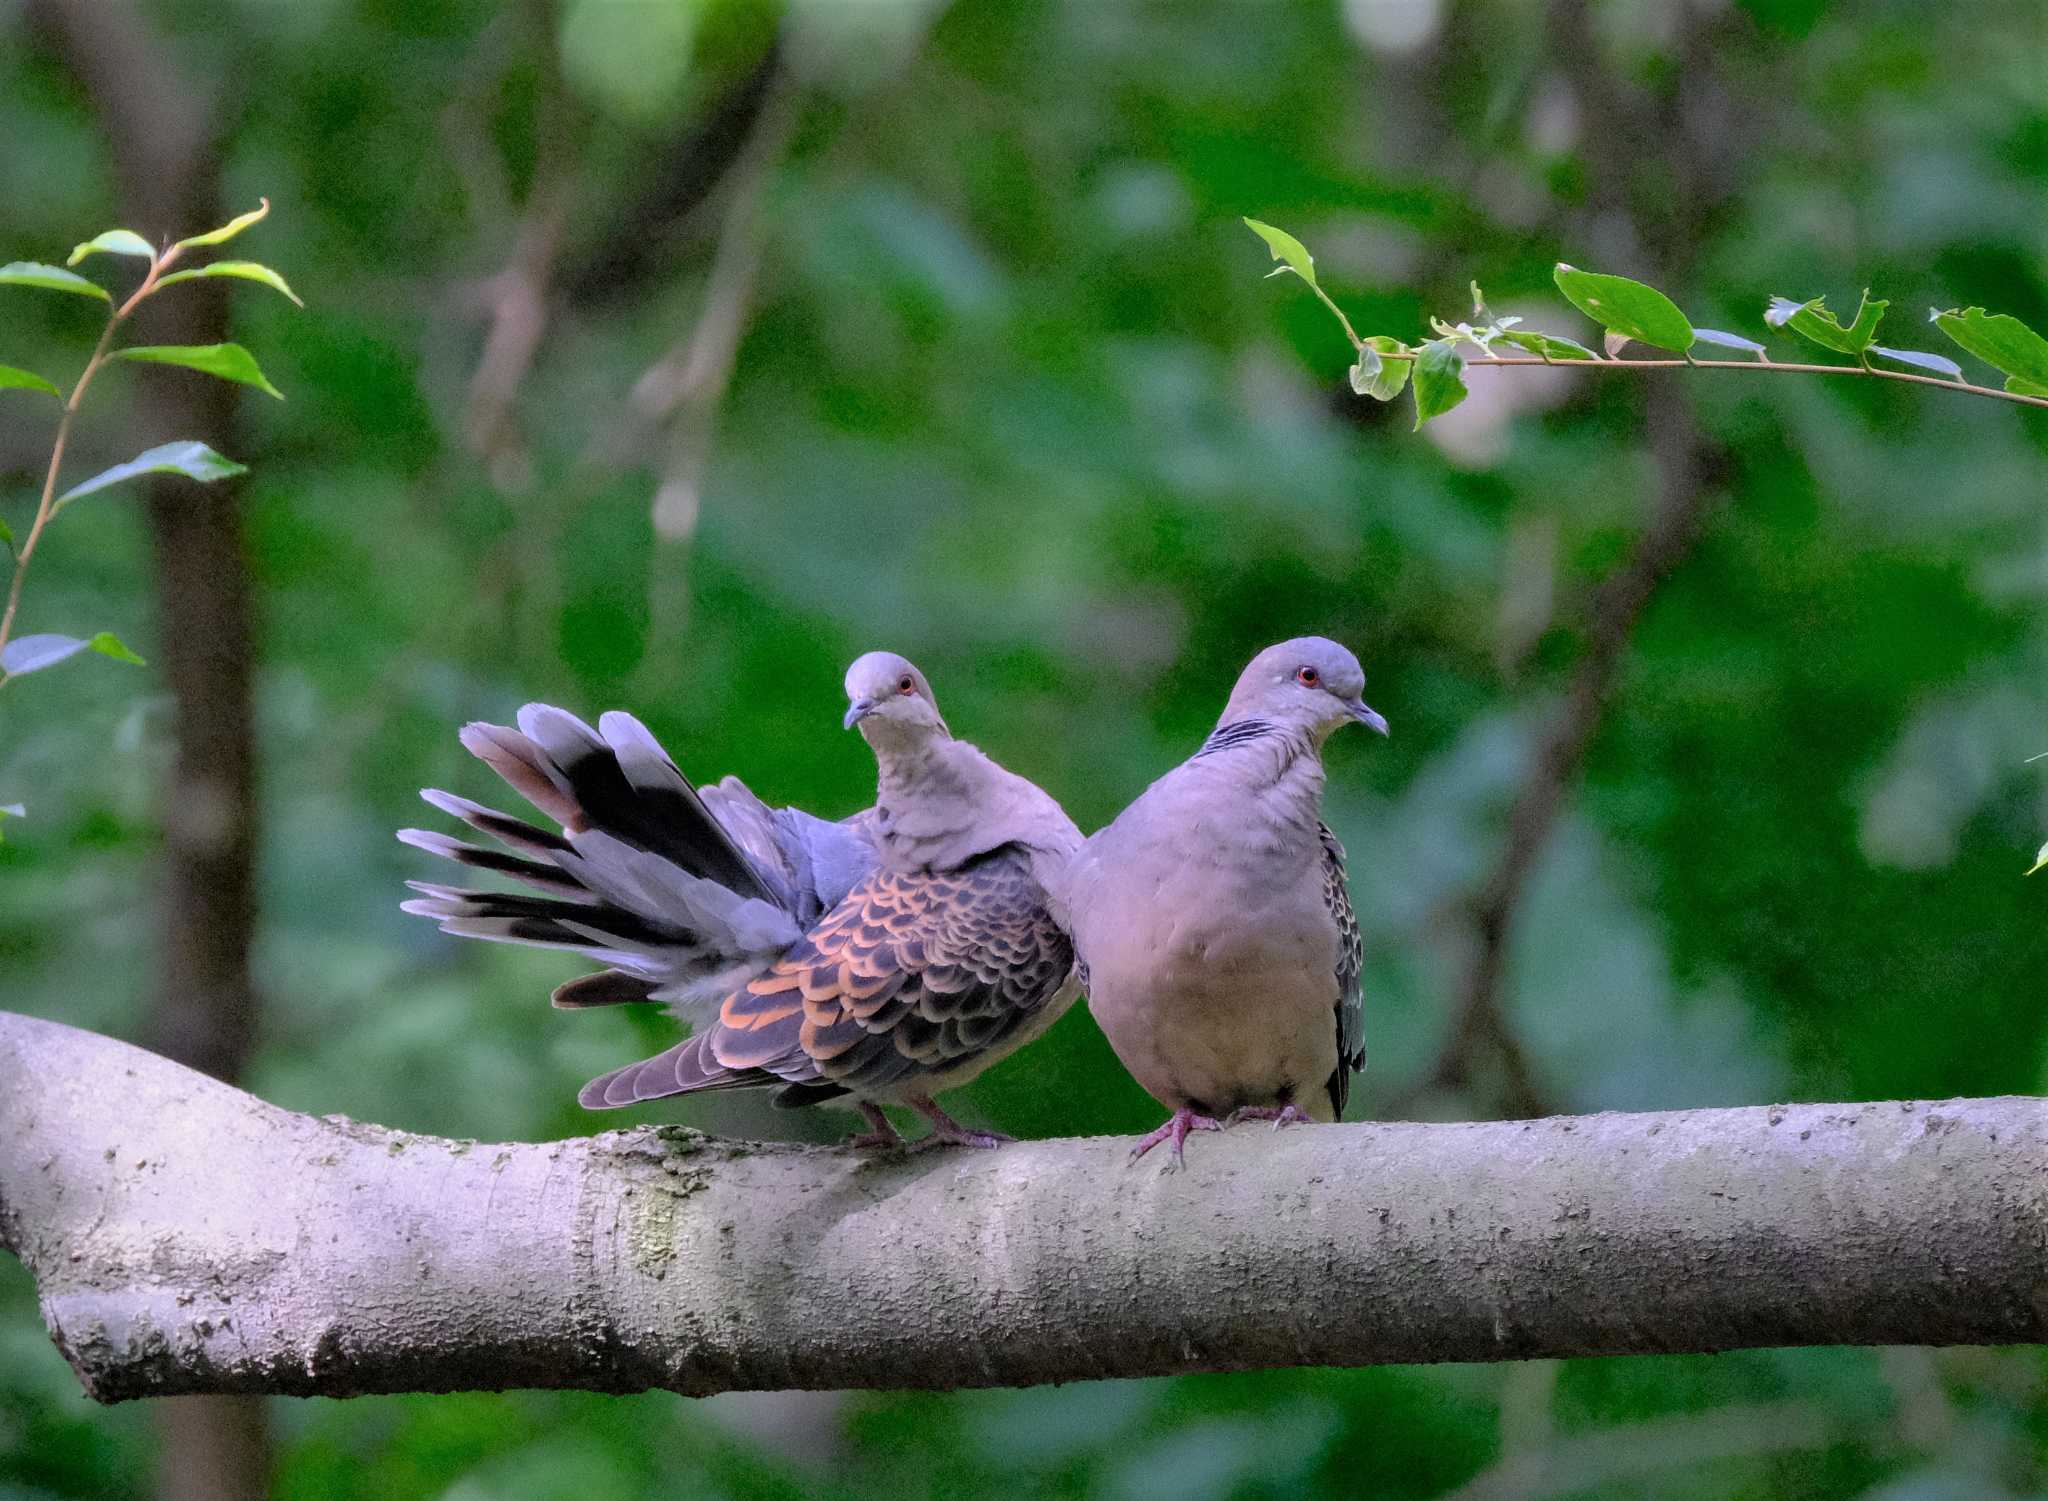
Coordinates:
[22,655]
[1632,312]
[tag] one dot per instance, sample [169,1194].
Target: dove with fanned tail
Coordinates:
[881,959]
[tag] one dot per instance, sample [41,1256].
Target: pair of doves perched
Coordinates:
[898,953]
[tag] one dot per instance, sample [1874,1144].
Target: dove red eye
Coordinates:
[1308,677]
[906,685]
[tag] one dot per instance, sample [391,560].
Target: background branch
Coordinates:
[639,247]
[1479,1026]
[201,1240]
[1660,223]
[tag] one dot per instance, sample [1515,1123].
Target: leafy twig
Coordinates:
[1632,312]
[19,657]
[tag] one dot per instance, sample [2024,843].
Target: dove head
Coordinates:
[1310,683]
[891,702]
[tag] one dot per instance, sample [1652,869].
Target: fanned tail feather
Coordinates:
[642,878]
[683,895]
[608,987]
[686,1068]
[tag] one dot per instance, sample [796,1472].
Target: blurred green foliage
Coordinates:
[1012,398]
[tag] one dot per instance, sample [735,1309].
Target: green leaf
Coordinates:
[1626,307]
[1385,379]
[2019,385]
[192,459]
[1998,339]
[1939,363]
[1727,340]
[1439,379]
[228,361]
[1461,333]
[1812,320]
[245,270]
[107,644]
[113,242]
[228,230]
[50,279]
[11,810]
[1363,373]
[1286,249]
[12,379]
[26,654]
[1550,346]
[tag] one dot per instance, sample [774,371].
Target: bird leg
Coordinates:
[948,1132]
[1177,1127]
[1289,1114]
[879,1135]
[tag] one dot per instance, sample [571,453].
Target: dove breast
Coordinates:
[1211,961]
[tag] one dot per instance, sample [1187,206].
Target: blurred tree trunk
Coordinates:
[163,135]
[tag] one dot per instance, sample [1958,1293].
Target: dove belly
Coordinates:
[1236,1007]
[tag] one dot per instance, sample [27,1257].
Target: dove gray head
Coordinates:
[891,702]
[1309,683]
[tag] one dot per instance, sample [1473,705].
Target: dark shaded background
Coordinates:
[668,353]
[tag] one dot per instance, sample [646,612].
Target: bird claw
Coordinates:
[1176,1129]
[1279,1115]
[947,1132]
[879,1136]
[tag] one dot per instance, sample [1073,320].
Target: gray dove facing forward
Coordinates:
[885,958]
[1216,935]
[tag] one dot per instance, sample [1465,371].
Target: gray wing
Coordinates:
[812,864]
[1350,959]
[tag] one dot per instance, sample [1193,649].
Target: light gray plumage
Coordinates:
[1215,932]
[888,957]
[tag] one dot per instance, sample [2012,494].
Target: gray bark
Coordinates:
[187,1237]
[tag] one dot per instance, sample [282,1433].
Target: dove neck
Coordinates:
[1281,766]
[907,757]
[923,802]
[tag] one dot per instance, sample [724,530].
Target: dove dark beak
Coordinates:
[860,709]
[1367,716]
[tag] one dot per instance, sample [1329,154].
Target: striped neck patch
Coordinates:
[1237,732]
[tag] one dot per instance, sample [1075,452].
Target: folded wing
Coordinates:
[911,978]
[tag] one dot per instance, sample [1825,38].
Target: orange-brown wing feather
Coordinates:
[909,975]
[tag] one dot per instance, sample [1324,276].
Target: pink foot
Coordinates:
[1176,1129]
[947,1132]
[1279,1115]
[880,1135]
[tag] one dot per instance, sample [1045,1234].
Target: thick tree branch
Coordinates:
[186,1237]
